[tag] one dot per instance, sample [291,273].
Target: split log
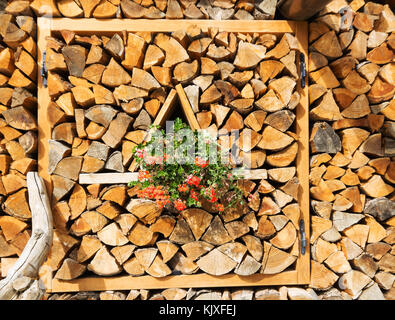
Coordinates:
[104,263]
[196,249]
[142,79]
[112,235]
[285,238]
[95,220]
[61,186]
[328,45]
[158,268]
[114,75]
[20,118]
[70,269]
[55,115]
[117,129]
[321,277]
[146,256]
[83,96]
[271,135]
[133,267]
[167,249]
[75,57]
[216,263]
[88,247]
[115,46]
[164,225]
[175,53]
[140,235]
[281,120]
[105,10]
[69,168]
[277,261]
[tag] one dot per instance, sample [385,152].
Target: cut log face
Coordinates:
[104,263]
[112,235]
[216,263]
[75,57]
[277,261]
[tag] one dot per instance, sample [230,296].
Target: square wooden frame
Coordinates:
[300,276]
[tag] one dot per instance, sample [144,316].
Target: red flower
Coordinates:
[140,153]
[183,188]
[179,205]
[194,195]
[201,163]
[220,207]
[211,194]
[143,175]
[193,180]
[162,201]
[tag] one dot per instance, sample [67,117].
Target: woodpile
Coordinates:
[18,128]
[351,177]
[107,91]
[158,9]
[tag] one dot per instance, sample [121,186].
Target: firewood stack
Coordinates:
[157,9]
[18,127]
[105,93]
[352,175]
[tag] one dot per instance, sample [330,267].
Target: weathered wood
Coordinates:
[37,248]
[104,263]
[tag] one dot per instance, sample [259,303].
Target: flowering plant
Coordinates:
[180,168]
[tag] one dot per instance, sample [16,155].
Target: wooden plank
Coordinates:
[118,178]
[186,107]
[44,130]
[107,178]
[257,174]
[182,281]
[302,160]
[166,109]
[90,26]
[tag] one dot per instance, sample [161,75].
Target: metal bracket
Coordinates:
[303,242]
[44,71]
[303,72]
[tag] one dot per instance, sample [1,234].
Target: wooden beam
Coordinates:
[257,174]
[181,281]
[43,99]
[186,107]
[109,26]
[303,156]
[107,178]
[118,178]
[166,109]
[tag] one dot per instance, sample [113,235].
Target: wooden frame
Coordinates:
[299,276]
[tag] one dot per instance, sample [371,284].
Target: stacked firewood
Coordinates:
[274,293]
[18,129]
[153,9]
[352,173]
[107,91]
[353,249]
